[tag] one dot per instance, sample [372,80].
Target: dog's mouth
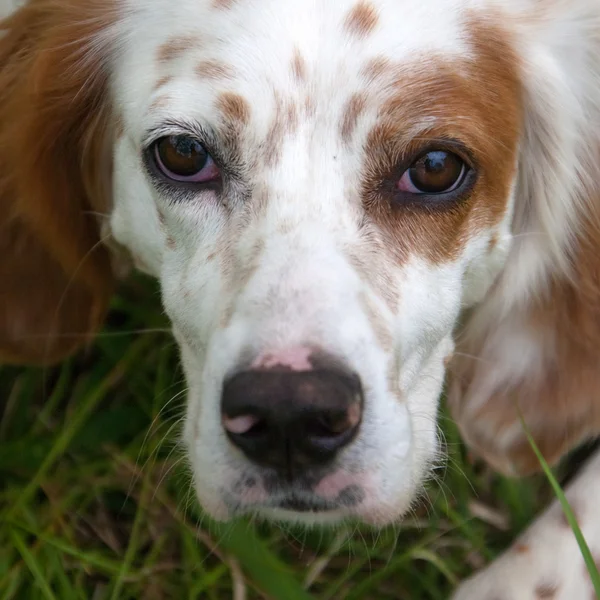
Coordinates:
[303,505]
[297,499]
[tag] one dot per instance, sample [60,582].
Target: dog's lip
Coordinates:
[306,505]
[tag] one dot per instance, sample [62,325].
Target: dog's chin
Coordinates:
[309,513]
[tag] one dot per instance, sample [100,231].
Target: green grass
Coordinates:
[95,501]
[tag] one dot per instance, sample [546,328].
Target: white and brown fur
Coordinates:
[315,102]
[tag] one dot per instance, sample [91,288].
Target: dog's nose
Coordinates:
[291,420]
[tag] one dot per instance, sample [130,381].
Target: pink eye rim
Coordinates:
[183,158]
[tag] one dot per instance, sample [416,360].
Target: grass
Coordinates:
[95,501]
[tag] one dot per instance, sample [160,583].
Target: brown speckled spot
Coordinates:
[212,69]
[361,20]
[175,47]
[160,102]
[234,107]
[298,66]
[521,548]
[119,127]
[309,106]
[163,81]
[375,68]
[285,120]
[546,591]
[352,111]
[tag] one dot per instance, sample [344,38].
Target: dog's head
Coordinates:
[320,189]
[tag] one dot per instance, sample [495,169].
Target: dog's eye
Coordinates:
[435,172]
[183,158]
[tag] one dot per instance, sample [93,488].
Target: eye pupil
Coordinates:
[181,155]
[436,172]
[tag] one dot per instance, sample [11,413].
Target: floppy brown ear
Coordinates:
[533,344]
[557,389]
[55,170]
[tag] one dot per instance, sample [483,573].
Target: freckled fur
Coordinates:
[176,47]
[298,66]
[362,19]
[212,69]
[234,108]
[352,112]
[313,181]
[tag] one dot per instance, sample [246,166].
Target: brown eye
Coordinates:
[436,172]
[183,158]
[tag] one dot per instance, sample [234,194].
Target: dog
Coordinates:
[346,203]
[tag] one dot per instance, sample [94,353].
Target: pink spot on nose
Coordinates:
[241,424]
[296,359]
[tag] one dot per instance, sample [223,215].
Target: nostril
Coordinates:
[331,424]
[240,425]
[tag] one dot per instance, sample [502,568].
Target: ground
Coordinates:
[95,501]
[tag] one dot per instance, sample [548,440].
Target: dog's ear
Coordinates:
[532,345]
[55,177]
[540,363]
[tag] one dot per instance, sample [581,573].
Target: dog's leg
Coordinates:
[545,561]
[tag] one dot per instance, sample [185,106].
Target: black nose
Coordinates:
[291,420]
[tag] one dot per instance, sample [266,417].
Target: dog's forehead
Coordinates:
[260,51]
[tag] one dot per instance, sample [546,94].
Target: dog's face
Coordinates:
[320,188]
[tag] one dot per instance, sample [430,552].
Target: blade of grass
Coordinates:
[566,507]
[91,559]
[32,565]
[87,406]
[133,537]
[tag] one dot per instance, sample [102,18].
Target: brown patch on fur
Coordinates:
[56,133]
[291,116]
[170,242]
[522,548]
[493,242]
[376,277]
[237,274]
[285,122]
[361,20]
[449,92]
[310,106]
[158,103]
[352,111]
[298,66]
[376,68]
[162,81]
[224,4]
[212,69]
[176,47]
[234,108]
[119,127]
[560,404]
[260,200]
[546,591]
